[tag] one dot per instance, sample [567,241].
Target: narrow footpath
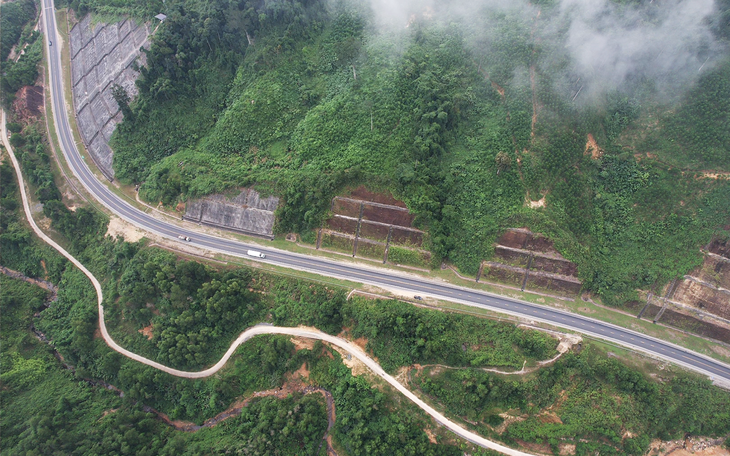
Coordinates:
[260,329]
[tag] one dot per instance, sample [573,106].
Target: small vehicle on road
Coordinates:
[184,238]
[255,253]
[418,298]
[50,43]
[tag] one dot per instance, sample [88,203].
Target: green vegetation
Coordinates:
[14,25]
[24,71]
[56,411]
[306,99]
[400,335]
[16,29]
[696,136]
[400,255]
[366,423]
[19,249]
[80,227]
[194,312]
[600,404]
[144,10]
[317,102]
[46,410]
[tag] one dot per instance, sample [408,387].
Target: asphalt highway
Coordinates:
[716,370]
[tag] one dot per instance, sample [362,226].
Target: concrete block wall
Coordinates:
[101,56]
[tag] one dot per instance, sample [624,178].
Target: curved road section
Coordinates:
[260,329]
[716,370]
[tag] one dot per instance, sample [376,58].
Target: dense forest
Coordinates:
[61,384]
[17,35]
[465,119]
[304,99]
[595,403]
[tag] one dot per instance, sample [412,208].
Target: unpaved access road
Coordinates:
[411,284]
[310,333]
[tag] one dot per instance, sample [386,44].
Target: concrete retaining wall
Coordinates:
[246,213]
[702,296]
[101,56]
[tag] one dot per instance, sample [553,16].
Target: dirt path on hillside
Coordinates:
[237,407]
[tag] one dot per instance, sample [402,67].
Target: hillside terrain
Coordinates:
[465,118]
[65,391]
[440,135]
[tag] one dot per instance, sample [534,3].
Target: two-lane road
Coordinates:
[369,275]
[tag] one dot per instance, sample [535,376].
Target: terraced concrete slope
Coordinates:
[102,55]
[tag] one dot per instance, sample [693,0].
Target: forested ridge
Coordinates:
[17,36]
[464,120]
[184,314]
[47,407]
[440,131]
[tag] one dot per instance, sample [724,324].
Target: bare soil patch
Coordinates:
[118,227]
[550,418]
[301,343]
[499,89]
[522,238]
[711,451]
[431,435]
[355,365]
[592,148]
[697,446]
[45,271]
[536,204]
[302,373]
[402,376]
[720,350]
[508,419]
[539,448]
[566,449]
[704,296]
[28,103]
[714,175]
[361,342]
[383,198]
[107,412]
[147,332]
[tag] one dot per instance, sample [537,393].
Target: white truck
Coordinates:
[256,254]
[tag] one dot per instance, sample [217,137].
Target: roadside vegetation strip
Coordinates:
[246,335]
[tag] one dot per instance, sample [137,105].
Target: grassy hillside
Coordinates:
[464,118]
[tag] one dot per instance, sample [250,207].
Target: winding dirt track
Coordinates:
[311,333]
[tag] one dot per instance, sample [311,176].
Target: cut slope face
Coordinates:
[28,102]
[529,260]
[707,288]
[374,225]
[245,213]
[102,56]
